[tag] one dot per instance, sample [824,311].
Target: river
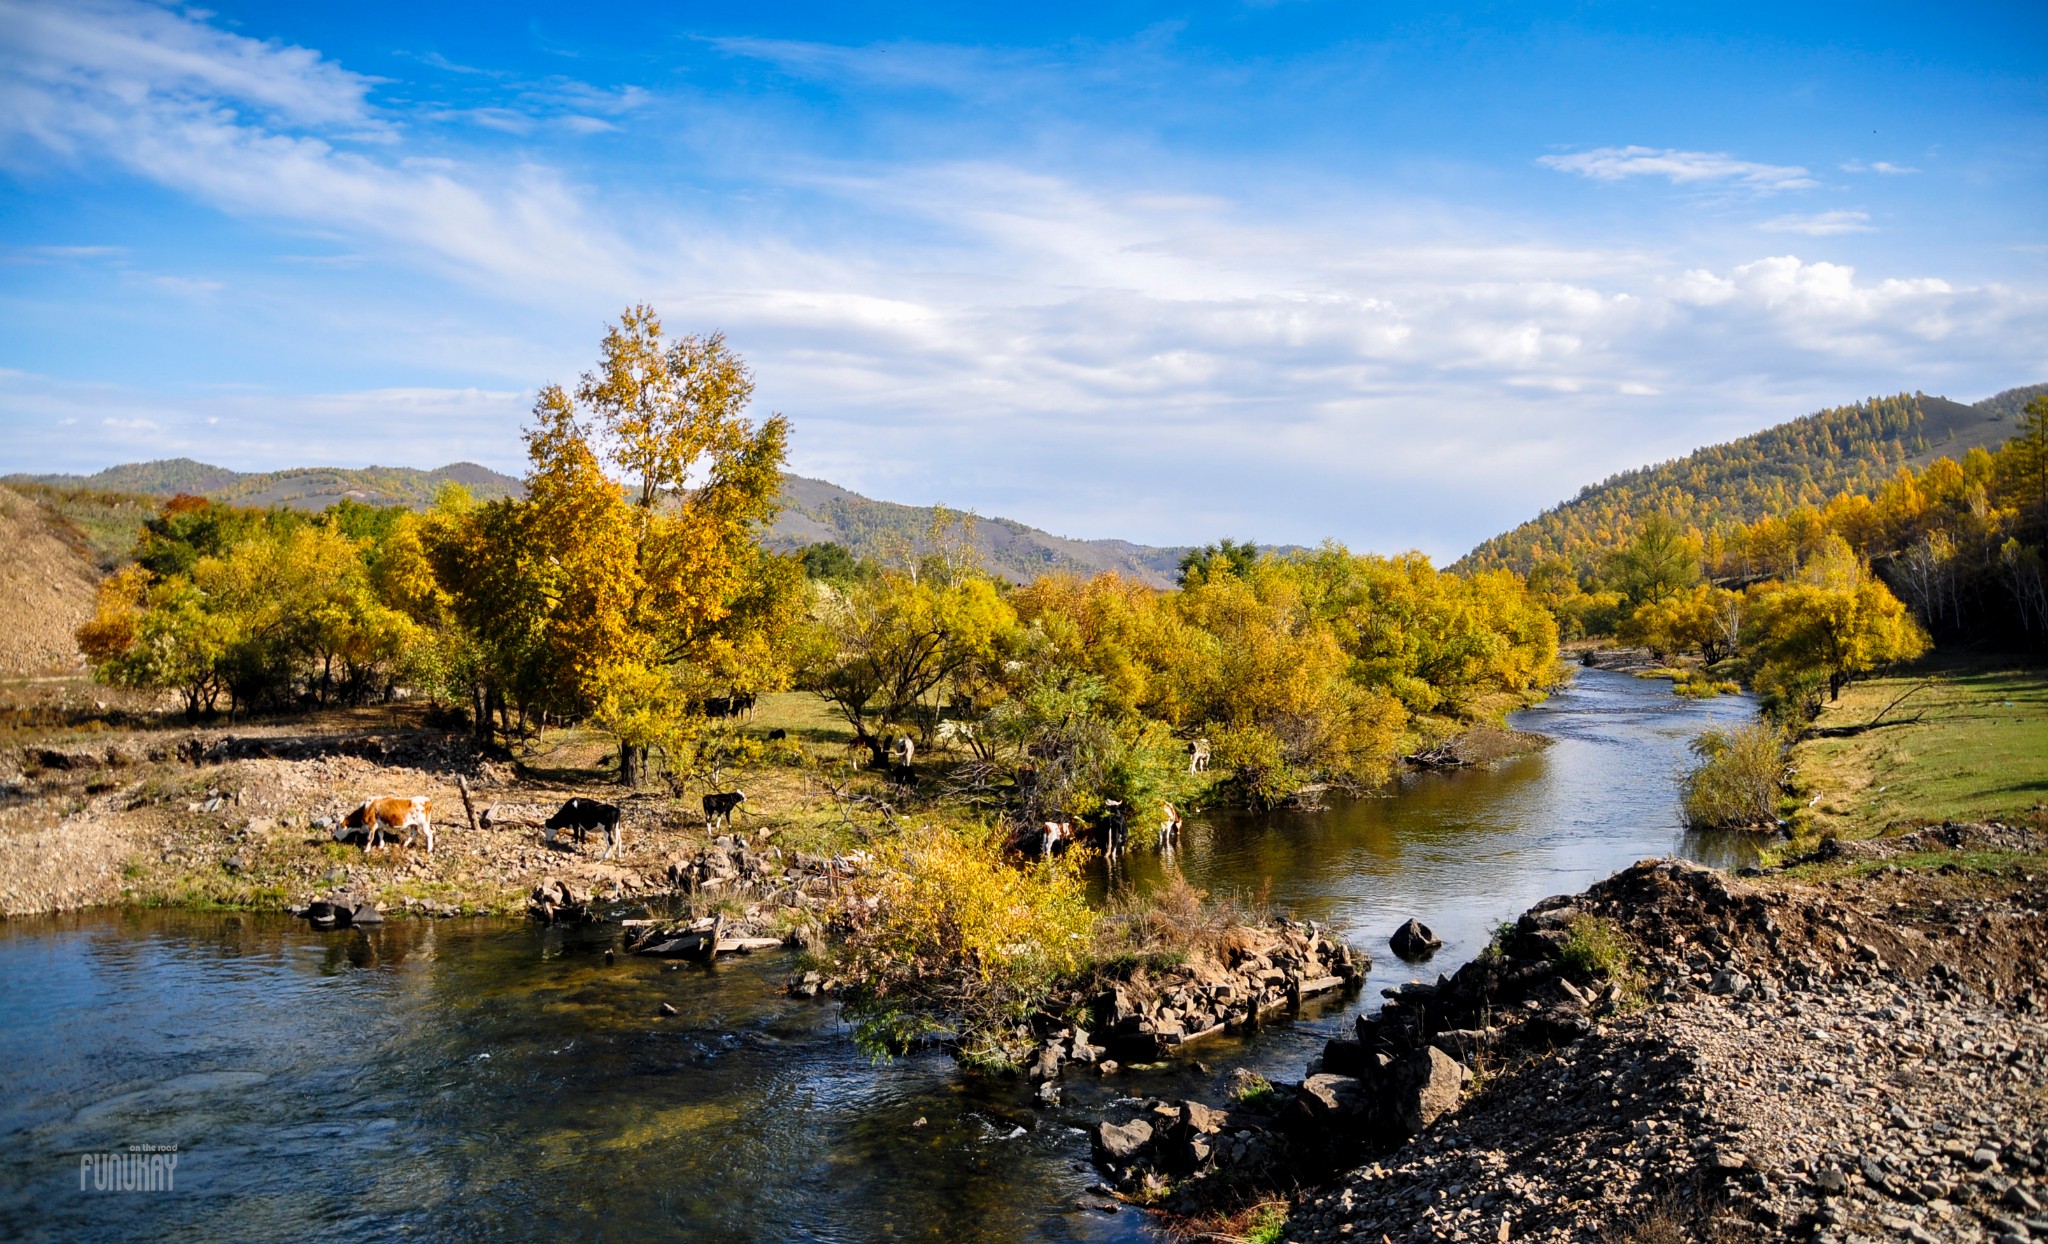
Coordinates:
[490,1079]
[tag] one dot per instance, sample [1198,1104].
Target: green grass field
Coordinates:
[1977,751]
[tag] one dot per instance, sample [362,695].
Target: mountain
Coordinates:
[304,488]
[1852,449]
[815,511]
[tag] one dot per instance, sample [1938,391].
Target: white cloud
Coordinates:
[1099,357]
[1821,224]
[1680,168]
[1879,166]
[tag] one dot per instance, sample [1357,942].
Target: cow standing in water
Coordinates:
[1116,833]
[1169,831]
[392,813]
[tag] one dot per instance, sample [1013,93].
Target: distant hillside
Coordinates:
[304,488]
[815,511]
[1852,449]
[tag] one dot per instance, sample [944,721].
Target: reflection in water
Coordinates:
[490,1079]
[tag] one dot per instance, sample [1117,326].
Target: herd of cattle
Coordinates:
[389,816]
[385,816]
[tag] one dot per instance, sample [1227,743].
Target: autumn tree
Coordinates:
[651,581]
[1660,561]
[1832,633]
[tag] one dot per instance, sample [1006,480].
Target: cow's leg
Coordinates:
[427,832]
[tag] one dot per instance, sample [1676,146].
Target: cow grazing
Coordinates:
[583,815]
[1057,837]
[392,813]
[718,808]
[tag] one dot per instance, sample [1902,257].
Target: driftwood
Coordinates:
[1442,756]
[699,942]
[1846,732]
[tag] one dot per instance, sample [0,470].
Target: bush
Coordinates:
[1737,780]
[1595,950]
[946,935]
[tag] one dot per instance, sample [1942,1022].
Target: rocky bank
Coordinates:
[1674,1054]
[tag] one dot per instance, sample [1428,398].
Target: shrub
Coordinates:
[1595,949]
[1737,780]
[946,935]
[1174,919]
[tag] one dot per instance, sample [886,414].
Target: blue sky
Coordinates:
[1399,274]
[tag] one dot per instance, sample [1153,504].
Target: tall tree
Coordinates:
[652,584]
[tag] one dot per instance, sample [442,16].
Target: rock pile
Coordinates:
[1807,1062]
[559,902]
[1268,970]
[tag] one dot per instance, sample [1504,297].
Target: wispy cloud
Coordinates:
[910,313]
[1680,168]
[1878,166]
[1821,224]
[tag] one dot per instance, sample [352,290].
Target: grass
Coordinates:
[1978,751]
[1257,1092]
[1596,949]
[1996,863]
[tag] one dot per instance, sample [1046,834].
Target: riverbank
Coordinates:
[1845,1048]
[105,806]
[1959,737]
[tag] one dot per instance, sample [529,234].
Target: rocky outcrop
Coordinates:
[1853,1060]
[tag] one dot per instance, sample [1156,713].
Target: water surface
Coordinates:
[481,1079]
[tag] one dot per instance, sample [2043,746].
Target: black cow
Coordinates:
[718,808]
[582,815]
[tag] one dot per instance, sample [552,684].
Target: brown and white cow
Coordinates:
[389,812]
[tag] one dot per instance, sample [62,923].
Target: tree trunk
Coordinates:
[632,764]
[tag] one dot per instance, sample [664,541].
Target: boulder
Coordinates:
[1415,940]
[1427,1085]
[1198,1119]
[1117,1144]
[366,913]
[1324,1100]
[1344,1056]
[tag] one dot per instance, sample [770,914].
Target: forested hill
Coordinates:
[1852,449]
[815,511]
[304,488]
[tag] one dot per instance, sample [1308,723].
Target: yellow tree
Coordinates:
[653,582]
[1832,633]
